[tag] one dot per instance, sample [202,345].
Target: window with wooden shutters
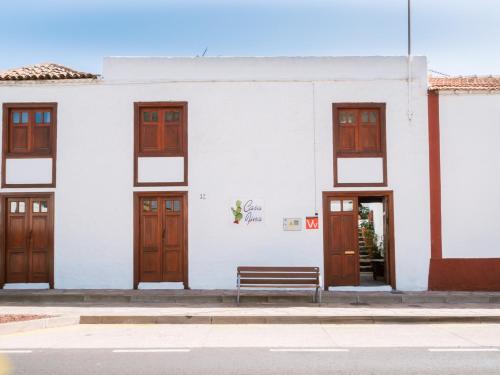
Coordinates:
[30,131]
[359,144]
[161,130]
[358,131]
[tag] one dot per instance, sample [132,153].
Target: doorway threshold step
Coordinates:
[377,288]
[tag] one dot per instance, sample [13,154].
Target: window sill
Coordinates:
[28,156]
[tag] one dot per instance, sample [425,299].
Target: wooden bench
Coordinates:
[279,277]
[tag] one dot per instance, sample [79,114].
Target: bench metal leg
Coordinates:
[238,292]
[317,295]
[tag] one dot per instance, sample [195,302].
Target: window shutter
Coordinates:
[19,131]
[41,127]
[149,131]
[369,131]
[347,131]
[173,131]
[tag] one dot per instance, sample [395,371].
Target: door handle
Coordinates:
[163,233]
[349,252]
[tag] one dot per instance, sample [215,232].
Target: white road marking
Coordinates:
[308,350]
[16,351]
[463,349]
[151,350]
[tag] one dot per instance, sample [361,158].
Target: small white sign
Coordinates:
[292,224]
[248,211]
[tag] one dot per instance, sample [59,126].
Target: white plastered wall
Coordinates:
[470,174]
[28,171]
[251,134]
[360,170]
[160,169]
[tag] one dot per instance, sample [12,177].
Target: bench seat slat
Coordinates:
[279,281]
[307,275]
[278,269]
[273,286]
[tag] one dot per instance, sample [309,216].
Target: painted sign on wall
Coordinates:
[312,222]
[249,211]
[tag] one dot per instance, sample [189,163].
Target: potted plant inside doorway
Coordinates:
[378,261]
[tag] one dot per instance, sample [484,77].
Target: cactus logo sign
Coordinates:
[248,211]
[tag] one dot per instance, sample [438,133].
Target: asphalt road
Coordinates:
[256,361]
[373,349]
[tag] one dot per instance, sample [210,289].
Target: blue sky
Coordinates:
[458,36]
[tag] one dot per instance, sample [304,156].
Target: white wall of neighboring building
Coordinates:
[470,174]
[254,125]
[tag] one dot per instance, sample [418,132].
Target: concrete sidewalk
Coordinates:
[258,314]
[263,307]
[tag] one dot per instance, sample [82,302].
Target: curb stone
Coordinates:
[256,319]
[62,321]
[34,324]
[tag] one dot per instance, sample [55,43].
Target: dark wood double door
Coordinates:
[28,246]
[161,236]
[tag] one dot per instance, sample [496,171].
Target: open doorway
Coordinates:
[358,239]
[372,234]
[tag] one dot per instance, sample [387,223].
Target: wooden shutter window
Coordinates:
[358,131]
[347,131]
[41,131]
[30,132]
[150,131]
[161,130]
[173,129]
[369,131]
[19,131]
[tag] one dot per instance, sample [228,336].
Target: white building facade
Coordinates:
[171,172]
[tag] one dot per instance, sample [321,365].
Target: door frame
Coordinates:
[162,194]
[3,237]
[391,256]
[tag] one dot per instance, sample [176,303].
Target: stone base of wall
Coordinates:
[465,274]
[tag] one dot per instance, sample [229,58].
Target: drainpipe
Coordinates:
[315,162]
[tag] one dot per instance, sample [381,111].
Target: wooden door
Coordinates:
[161,238]
[28,240]
[173,239]
[39,240]
[150,239]
[341,242]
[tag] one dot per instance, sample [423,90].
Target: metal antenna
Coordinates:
[409,27]
[440,73]
[410,104]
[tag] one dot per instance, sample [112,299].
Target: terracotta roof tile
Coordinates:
[465,83]
[41,72]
